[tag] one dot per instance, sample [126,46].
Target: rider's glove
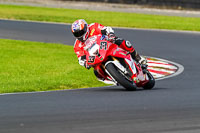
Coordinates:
[111,37]
[82,61]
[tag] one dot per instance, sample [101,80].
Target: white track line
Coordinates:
[35,92]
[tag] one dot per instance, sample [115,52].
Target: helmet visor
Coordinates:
[80,33]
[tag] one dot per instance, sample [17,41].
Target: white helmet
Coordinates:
[80,29]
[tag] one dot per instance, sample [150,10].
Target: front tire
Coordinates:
[120,78]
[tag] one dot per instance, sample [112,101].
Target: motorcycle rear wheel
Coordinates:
[120,78]
[151,83]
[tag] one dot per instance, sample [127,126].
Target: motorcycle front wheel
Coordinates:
[120,78]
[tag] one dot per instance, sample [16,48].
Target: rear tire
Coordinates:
[151,83]
[120,78]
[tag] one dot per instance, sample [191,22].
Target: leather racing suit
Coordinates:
[95,29]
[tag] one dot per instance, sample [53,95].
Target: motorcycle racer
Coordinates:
[81,30]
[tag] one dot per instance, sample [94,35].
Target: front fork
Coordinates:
[122,68]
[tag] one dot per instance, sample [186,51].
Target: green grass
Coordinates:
[33,66]
[105,18]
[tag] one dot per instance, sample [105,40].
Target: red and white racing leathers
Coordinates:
[95,29]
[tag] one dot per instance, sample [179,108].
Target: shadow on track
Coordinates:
[122,89]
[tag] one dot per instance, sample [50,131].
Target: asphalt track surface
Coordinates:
[173,106]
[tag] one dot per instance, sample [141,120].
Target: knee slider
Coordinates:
[128,44]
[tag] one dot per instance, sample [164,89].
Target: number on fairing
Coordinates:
[103,45]
[91,59]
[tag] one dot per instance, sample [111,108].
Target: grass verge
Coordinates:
[33,66]
[106,18]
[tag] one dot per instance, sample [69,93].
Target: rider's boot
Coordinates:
[141,60]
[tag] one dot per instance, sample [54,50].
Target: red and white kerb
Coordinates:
[161,68]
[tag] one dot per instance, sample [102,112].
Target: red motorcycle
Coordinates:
[115,64]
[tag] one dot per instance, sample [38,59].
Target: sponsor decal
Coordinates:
[91,59]
[75,26]
[103,37]
[122,53]
[103,45]
[136,80]
[92,32]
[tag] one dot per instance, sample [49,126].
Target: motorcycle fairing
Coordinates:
[98,50]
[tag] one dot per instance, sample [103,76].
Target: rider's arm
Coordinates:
[96,28]
[106,30]
[78,49]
